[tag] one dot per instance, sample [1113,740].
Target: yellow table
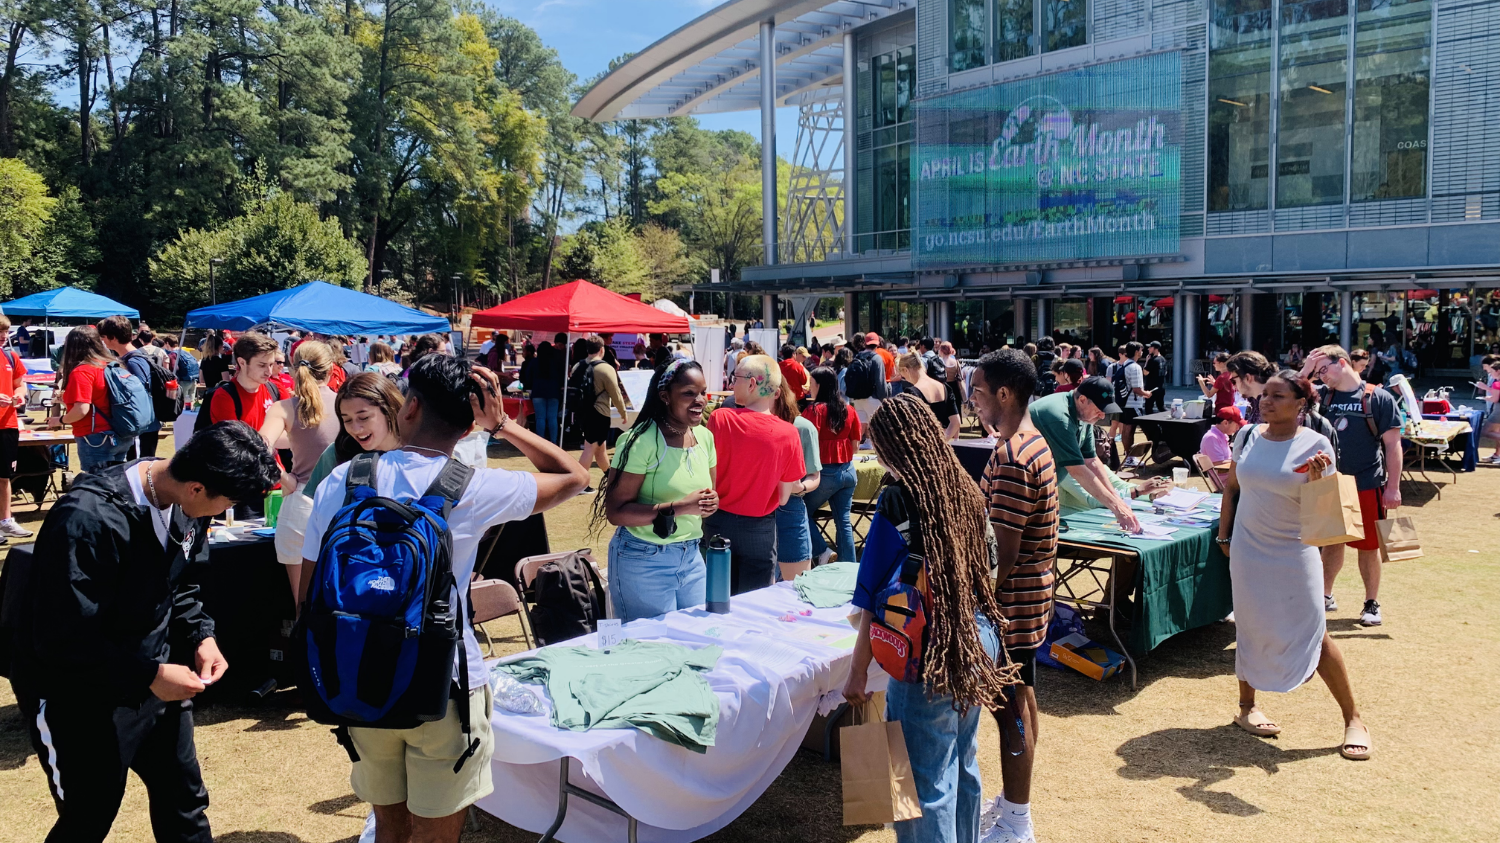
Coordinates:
[1436,436]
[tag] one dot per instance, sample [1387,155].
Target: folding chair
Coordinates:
[1210,475]
[526,573]
[491,600]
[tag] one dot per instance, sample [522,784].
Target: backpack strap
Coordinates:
[361,474]
[1364,402]
[450,485]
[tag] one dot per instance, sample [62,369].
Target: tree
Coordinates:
[281,243]
[25,211]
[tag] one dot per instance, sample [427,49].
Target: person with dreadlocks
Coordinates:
[934,515]
[760,468]
[657,495]
[1020,483]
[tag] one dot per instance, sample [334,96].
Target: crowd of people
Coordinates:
[754,471]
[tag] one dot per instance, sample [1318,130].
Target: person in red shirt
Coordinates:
[839,432]
[280,376]
[1221,388]
[86,397]
[247,397]
[794,373]
[873,342]
[760,468]
[12,395]
[1070,375]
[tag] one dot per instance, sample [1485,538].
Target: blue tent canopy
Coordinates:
[319,307]
[67,303]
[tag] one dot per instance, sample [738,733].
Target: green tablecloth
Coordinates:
[1183,583]
[869,474]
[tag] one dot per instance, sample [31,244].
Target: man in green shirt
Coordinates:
[1066,420]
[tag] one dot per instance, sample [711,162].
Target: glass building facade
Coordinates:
[982,32]
[887,76]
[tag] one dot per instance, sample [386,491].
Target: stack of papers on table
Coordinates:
[1183,499]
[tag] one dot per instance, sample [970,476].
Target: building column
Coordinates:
[768,139]
[1023,318]
[1190,320]
[768,312]
[1043,318]
[849,320]
[851,217]
[1179,359]
[1247,321]
[1346,319]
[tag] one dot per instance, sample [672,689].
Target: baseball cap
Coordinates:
[1100,393]
[1230,414]
[872,338]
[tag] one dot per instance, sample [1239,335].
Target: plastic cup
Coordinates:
[1180,476]
[273,507]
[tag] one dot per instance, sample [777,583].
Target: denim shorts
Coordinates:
[648,579]
[101,450]
[793,536]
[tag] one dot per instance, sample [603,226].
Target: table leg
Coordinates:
[564,790]
[1114,587]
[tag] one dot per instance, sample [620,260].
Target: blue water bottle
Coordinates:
[717,560]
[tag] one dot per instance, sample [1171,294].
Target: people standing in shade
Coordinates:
[839,434]
[118,336]
[382,360]
[933,392]
[1020,487]
[1066,420]
[760,468]
[247,397]
[86,396]
[12,395]
[864,381]
[1130,374]
[1369,450]
[545,380]
[793,532]
[1156,378]
[933,516]
[793,374]
[1281,635]
[658,496]
[1221,386]
[1070,375]
[218,359]
[599,390]
[308,419]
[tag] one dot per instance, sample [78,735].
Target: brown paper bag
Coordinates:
[1330,511]
[878,783]
[1398,539]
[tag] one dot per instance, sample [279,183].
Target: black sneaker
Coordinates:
[1370,615]
[588,490]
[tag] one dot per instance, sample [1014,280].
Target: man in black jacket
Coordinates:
[111,649]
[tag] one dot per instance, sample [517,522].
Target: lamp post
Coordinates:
[453,308]
[213,291]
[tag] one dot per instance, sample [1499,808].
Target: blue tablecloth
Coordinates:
[1470,443]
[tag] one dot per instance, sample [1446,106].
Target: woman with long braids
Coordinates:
[947,517]
[310,421]
[657,494]
[839,434]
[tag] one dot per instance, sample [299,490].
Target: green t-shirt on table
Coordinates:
[671,473]
[1069,439]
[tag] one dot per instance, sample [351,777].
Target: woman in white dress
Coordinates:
[1280,635]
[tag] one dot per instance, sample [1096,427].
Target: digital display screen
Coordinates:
[1074,165]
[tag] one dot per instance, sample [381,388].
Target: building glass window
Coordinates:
[981,325]
[887,146]
[1014,25]
[903,319]
[1067,23]
[1310,154]
[1239,106]
[1392,62]
[966,34]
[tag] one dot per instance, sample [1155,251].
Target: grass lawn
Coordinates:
[1162,763]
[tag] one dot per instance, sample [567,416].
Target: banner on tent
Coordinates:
[708,350]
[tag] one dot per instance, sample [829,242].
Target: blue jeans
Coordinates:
[793,544]
[944,750]
[101,450]
[647,579]
[836,486]
[546,417]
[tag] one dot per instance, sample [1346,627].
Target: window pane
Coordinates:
[885,90]
[966,26]
[1014,21]
[906,81]
[903,186]
[1067,23]
[1310,154]
[1239,142]
[887,190]
[1391,90]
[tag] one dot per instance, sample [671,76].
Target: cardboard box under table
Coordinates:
[623,784]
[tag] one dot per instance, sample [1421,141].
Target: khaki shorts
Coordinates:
[415,766]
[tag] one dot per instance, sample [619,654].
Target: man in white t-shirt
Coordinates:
[1135,403]
[408,774]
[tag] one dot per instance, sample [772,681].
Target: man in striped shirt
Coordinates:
[1020,484]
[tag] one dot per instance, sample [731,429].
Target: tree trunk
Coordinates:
[85,99]
[7,84]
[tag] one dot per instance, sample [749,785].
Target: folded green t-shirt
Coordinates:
[827,586]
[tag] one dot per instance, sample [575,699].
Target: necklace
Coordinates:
[163,518]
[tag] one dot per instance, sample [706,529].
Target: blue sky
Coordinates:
[587,34]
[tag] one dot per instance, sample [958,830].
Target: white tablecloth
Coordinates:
[182,429]
[771,680]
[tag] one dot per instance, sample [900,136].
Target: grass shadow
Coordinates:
[15,741]
[337,805]
[1200,653]
[1209,757]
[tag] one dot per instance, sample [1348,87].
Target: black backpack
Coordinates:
[581,391]
[569,599]
[1046,383]
[865,377]
[165,408]
[203,422]
[1121,384]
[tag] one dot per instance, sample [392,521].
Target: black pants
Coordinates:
[145,445]
[86,750]
[1156,402]
[752,548]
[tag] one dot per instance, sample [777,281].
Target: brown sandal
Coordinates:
[1352,736]
[1257,723]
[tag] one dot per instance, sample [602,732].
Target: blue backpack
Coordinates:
[378,634]
[130,408]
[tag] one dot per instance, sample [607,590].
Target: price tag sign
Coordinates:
[610,634]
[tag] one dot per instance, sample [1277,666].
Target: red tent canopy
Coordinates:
[580,308]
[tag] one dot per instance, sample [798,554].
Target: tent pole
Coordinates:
[567,371]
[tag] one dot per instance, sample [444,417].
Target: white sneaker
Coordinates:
[825,557]
[1001,833]
[11,529]
[1330,604]
[1370,615]
[991,814]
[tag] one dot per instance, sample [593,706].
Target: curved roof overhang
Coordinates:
[712,64]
